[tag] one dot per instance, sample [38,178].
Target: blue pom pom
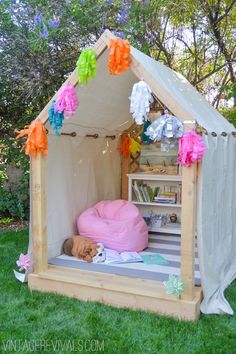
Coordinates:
[55,119]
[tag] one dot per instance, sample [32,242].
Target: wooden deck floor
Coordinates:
[115,290]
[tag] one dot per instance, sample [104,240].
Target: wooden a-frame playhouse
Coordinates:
[113,289]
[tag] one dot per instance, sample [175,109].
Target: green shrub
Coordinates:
[14,204]
[5,221]
[14,196]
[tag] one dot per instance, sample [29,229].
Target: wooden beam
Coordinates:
[188,228]
[39,226]
[115,290]
[124,177]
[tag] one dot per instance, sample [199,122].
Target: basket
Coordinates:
[159,169]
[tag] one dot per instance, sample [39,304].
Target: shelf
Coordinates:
[158,204]
[170,228]
[155,177]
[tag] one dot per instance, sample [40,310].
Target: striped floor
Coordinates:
[168,246]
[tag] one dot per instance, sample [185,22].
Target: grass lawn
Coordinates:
[48,320]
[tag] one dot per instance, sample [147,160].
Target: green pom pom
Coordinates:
[174,285]
[86,66]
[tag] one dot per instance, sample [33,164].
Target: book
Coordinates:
[135,193]
[147,199]
[169,198]
[154,259]
[114,257]
[142,192]
[149,190]
[155,191]
[140,198]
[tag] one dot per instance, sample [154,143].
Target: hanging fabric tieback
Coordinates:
[37,138]
[55,119]
[119,56]
[67,101]
[140,100]
[167,126]
[191,148]
[86,66]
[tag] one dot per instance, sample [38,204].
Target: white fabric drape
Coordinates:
[79,172]
[217,222]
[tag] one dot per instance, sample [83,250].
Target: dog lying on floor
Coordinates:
[83,248]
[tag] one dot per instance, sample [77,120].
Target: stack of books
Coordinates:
[166,198]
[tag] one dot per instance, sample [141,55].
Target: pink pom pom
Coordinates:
[24,262]
[191,148]
[67,101]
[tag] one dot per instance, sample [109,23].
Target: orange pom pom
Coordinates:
[37,138]
[119,56]
[125,146]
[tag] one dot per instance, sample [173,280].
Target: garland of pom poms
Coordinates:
[86,66]
[37,141]
[119,56]
[128,146]
[191,148]
[64,106]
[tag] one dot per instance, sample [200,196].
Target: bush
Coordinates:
[5,221]
[15,204]
[14,192]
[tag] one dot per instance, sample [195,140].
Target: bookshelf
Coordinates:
[145,190]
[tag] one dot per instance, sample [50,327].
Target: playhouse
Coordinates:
[84,166]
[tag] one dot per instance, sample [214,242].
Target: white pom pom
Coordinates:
[140,100]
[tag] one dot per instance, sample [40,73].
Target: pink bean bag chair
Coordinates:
[117,224]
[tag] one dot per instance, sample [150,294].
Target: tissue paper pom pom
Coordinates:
[134,147]
[140,100]
[55,119]
[86,66]
[191,148]
[167,126]
[67,101]
[24,262]
[125,145]
[37,141]
[146,139]
[119,56]
[174,285]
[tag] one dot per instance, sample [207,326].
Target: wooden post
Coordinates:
[124,178]
[188,227]
[39,213]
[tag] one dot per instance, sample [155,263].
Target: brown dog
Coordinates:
[80,247]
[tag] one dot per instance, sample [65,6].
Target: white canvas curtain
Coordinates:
[217,222]
[79,172]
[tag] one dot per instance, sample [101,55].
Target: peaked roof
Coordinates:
[104,101]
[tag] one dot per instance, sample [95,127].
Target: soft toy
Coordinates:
[81,247]
[101,255]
